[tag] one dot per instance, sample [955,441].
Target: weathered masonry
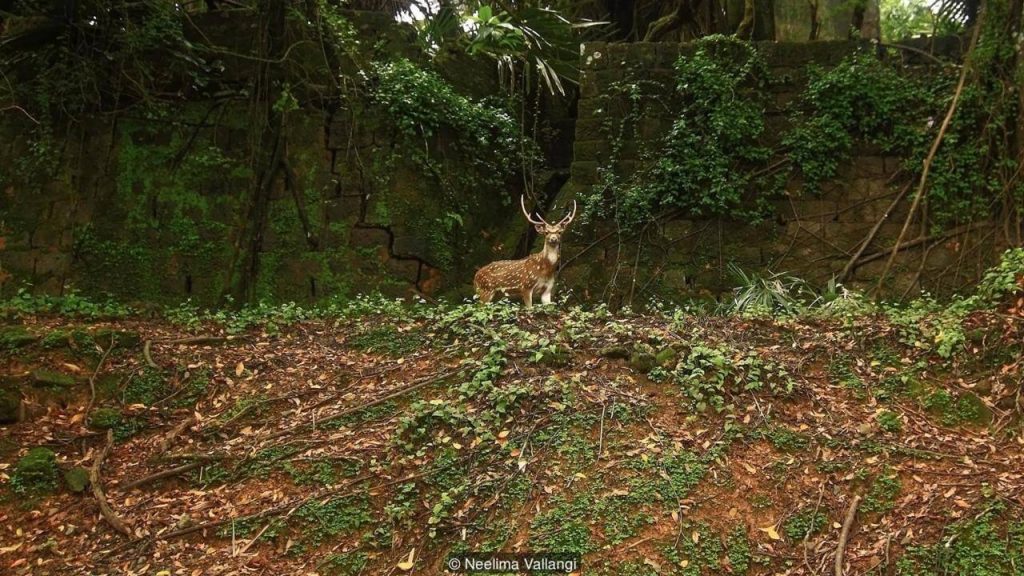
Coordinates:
[811,236]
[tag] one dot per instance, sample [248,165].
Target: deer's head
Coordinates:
[552,232]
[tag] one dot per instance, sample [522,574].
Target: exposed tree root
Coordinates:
[97,489]
[844,535]
[163,474]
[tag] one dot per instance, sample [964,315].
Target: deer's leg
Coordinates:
[549,287]
[528,297]
[486,296]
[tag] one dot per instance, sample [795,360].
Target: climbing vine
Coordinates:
[711,163]
[470,149]
[860,99]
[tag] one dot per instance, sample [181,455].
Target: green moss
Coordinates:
[56,339]
[35,473]
[334,517]
[387,340]
[881,497]
[738,551]
[124,339]
[105,418]
[146,388]
[701,550]
[563,527]
[14,337]
[787,440]
[113,419]
[51,379]
[76,479]
[965,408]
[889,421]
[10,405]
[666,358]
[344,564]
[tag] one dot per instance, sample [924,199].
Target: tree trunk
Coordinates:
[815,21]
[245,266]
[746,27]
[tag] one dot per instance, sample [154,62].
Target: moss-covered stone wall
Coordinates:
[146,206]
[811,235]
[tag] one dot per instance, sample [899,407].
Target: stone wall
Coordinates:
[811,235]
[147,207]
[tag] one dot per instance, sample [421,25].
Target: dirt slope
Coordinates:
[651,445]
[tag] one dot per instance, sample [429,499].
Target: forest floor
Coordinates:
[381,442]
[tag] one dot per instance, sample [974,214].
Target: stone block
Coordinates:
[405,269]
[845,235]
[52,262]
[837,190]
[369,237]
[663,78]
[781,100]
[807,210]
[653,128]
[589,87]
[585,173]
[344,207]
[867,188]
[668,53]
[589,108]
[644,54]
[892,163]
[617,55]
[801,228]
[597,150]
[626,168]
[941,257]
[589,129]
[678,229]
[409,245]
[869,166]
[604,78]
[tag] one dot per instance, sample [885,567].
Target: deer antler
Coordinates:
[529,218]
[568,219]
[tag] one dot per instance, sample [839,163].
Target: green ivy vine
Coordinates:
[711,163]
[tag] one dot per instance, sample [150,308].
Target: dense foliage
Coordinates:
[861,99]
[422,105]
[711,162]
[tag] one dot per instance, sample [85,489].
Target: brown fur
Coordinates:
[514,277]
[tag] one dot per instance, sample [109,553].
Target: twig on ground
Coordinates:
[92,379]
[165,443]
[148,345]
[163,474]
[148,356]
[844,535]
[348,411]
[810,526]
[97,488]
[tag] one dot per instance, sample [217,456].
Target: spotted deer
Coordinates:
[533,273]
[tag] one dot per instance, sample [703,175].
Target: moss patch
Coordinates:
[35,473]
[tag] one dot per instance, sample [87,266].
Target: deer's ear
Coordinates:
[540,228]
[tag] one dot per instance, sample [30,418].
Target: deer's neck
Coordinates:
[550,255]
